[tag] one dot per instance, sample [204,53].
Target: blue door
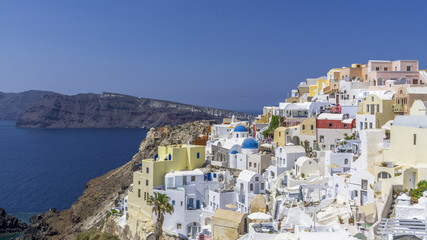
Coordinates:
[190,203]
[197,204]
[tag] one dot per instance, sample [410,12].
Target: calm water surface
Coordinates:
[46,168]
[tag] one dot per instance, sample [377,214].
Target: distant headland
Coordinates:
[44,109]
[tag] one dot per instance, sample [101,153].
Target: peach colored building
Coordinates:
[404,71]
[356,71]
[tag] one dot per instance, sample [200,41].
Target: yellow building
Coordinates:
[174,157]
[279,136]
[315,89]
[374,111]
[308,127]
[404,160]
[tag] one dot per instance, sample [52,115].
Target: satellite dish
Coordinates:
[151,236]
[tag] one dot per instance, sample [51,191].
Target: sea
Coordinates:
[49,168]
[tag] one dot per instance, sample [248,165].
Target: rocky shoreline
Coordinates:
[10,224]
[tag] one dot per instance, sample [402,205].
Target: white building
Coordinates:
[188,192]
[248,184]
[284,160]
[334,162]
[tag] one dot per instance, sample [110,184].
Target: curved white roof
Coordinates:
[246,175]
[301,160]
[331,116]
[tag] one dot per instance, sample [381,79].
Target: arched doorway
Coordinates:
[193,229]
[295,140]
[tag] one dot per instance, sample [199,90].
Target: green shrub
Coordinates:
[92,234]
[274,123]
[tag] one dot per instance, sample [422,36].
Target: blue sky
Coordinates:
[230,54]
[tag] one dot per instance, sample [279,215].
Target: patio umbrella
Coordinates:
[333,165]
[360,236]
[260,216]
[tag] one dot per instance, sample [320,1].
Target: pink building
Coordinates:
[403,71]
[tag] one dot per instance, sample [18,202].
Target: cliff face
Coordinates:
[13,105]
[103,192]
[110,110]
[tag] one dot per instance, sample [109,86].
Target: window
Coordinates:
[355,193]
[372,98]
[250,164]
[408,68]
[303,127]
[330,125]
[178,226]
[346,161]
[237,135]
[262,186]
[147,170]
[280,150]
[367,107]
[378,108]
[139,193]
[370,125]
[385,68]
[377,68]
[322,138]
[364,184]
[251,187]
[361,125]
[198,155]
[345,125]
[242,186]
[193,178]
[366,125]
[256,179]
[181,203]
[139,182]
[173,202]
[311,127]
[415,139]
[146,182]
[309,162]
[254,165]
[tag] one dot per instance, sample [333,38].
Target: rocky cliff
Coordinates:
[103,192]
[10,224]
[109,110]
[14,105]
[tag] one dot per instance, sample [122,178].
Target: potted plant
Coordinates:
[340,219]
[351,220]
[384,164]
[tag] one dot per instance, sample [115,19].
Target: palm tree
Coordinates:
[161,205]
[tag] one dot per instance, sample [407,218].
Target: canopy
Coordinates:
[230,206]
[259,216]
[286,236]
